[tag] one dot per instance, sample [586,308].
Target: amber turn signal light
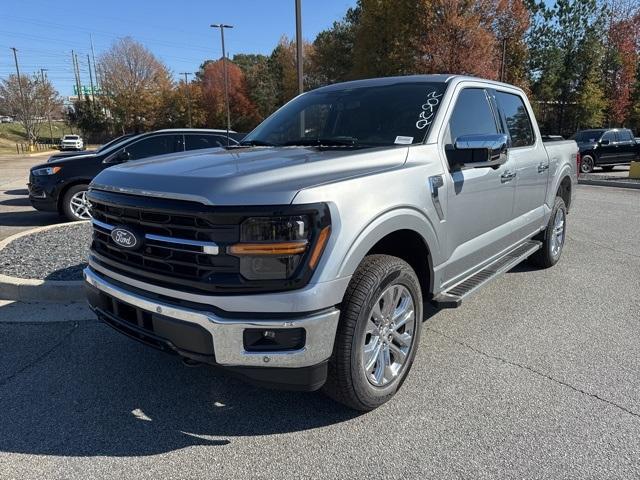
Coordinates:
[279,248]
[320,244]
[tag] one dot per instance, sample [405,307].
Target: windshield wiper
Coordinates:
[255,143]
[324,142]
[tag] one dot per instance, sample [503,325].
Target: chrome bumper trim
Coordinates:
[228,333]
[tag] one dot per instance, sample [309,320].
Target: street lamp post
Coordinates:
[222,26]
[299,46]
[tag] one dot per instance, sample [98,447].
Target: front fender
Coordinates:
[385,224]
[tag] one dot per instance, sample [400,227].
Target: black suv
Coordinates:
[606,148]
[61,185]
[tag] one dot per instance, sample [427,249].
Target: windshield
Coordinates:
[70,137]
[369,116]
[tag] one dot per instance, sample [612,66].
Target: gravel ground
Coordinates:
[591,176]
[57,254]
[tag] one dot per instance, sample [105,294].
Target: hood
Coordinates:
[58,156]
[66,160]
[246,176]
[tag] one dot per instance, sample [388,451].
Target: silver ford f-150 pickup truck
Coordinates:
[301,258]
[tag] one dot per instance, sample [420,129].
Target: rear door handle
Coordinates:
[543,167]
[507,176]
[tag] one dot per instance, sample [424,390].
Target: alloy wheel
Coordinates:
[389,335]
[80,205]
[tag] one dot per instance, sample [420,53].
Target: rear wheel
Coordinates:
[554,236]
[378,333]
[75,205]
[587,164]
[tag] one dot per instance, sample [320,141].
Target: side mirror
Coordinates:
[120,156]
[604,142]
[479,151]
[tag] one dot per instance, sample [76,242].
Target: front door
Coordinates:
[479,200]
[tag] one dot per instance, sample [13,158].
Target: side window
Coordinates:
[610,135]
[471,115]
[518,121]
[156,145]
[625,135]
[197,142]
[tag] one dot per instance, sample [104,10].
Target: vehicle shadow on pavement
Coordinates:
[29,219]
[81,389]
[16,202]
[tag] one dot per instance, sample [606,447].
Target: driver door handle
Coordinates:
[543,167]
[507,176]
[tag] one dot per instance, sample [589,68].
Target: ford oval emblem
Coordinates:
[124,238]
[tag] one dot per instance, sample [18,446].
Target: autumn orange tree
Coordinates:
[243,112]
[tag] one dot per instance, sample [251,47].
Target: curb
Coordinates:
[36,290]
[609,183]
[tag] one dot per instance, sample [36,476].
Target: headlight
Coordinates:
[272,248]
[46,171]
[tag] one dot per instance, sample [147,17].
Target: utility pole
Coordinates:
[93,56]
[74,59]
[299,45]
[42,70]
[24,105]
[222,26]
[186,85]
[93,98]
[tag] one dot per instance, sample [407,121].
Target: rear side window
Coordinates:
[196,142]
[472,115]
[518,121]
[625,135]
[156,145]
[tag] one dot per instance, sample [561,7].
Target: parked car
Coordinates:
[6,119]
[71,142]
[606,147]
[61,185]
[301,260]
[71,153]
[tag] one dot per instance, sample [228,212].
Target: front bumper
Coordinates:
[205,336]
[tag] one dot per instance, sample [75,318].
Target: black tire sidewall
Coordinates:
[590,161]
[367,393]
[559,205]
[66,202]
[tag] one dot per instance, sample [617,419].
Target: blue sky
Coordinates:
[177,32]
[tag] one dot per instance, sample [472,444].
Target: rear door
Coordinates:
[626,146]
[530,161]
[480,200]
[608,149]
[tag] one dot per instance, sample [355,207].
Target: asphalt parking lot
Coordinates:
[536,376]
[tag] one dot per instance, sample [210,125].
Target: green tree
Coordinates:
[333,58]
[560,45]
[262,86]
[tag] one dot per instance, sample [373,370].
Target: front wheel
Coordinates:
[75,205]
[378,333]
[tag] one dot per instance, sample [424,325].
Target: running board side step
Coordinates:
[453,296]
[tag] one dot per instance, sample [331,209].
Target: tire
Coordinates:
[361,340]
[72,207]
[608,168]
[553,239]
[587,164]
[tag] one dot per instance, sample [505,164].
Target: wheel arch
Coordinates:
[407,235]
[67,186]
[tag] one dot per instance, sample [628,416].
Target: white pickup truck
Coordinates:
[301,257]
